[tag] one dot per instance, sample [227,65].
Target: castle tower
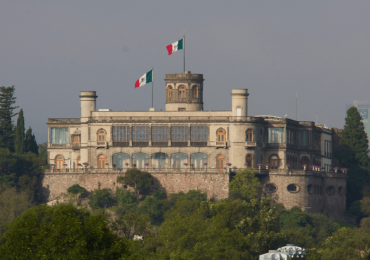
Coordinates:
[88,104]
[184,92]
[239,102]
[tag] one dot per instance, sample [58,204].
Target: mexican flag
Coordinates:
[179,45]
[146,78]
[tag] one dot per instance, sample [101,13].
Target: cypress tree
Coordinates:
[19,143]
[353,154]
[7,100]
[355,140]
[30,143]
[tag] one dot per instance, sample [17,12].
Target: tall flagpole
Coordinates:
[152,86]
[184,53]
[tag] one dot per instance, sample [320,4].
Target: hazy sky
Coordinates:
[51,50]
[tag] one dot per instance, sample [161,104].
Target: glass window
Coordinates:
[274,162]
[199,133]
[289,136]
[221,136]
[238,111]
[121,133]
[140,160]
[249,135]
[160,133]
[182,92]
[101,136]
[120,160]
[220,162]
[178,160]
[195,91]
[59,135]
[159,160]
[198,160]
[59,162]
[140,133]
[275,135]
[101,161]
[179,133]
[249,160]
[303,138]
[169,92]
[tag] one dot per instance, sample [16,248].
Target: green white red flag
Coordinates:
[146,78]
[179,45]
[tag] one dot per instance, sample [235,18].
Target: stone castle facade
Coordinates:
[187,148]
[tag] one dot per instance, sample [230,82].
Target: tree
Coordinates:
[7,100]
[43,152]
[30,143]
[132,224]
[354,138]
[19,144]
[140,181]
[244,185]
[61,232]
[76,189]
[101,198]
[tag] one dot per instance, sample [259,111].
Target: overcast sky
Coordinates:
[51,50]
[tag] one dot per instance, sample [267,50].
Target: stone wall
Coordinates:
[214,184]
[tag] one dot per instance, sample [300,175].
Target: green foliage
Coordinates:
[101,198]
[43,152]
[244,185]
[76,189]
[61,232]
[7,100]
[132,224]
[216,230]
[355,138]
[125,199]
[152,207]
[346,243]
[19,134]
[30,143]
[140,181]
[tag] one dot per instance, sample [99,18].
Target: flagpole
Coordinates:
[152,86]
[184,53]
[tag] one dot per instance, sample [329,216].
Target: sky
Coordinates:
[317,50]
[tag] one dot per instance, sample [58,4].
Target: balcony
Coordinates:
[250,144]
[76,146]
[64,120]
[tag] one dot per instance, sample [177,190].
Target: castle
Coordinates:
[187,148]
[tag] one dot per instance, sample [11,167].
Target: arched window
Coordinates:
[140,160]
[159,160]
[121,160]
[182,92]
[198,160]
[59,162]
[305,161]
[195,91]
[220,162]
[274,162]
[249,160]
[249,135]
[169,92]
[221,136]
[179,160]
[101,161]
[101,136]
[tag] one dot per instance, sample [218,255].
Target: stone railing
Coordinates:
[64,120]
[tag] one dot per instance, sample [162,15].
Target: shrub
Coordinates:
[125,198]
[101,198]
[76,189]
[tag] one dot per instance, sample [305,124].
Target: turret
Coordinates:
[88,104]
[184,92]
[239,101]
